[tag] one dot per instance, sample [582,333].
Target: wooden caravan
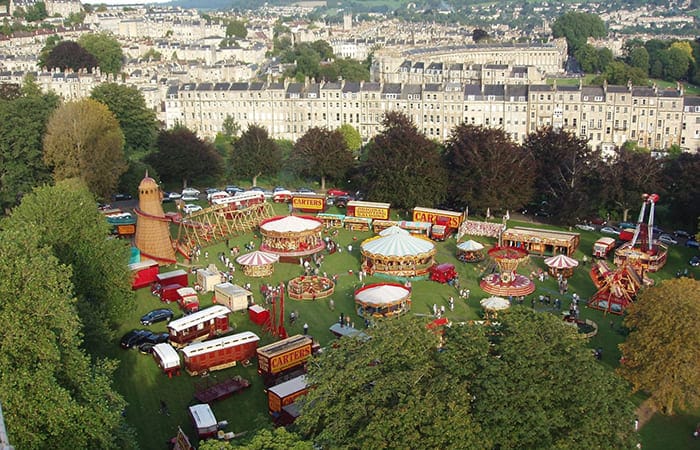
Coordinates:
[220,353]
[285,394]
[542,242]
[167,358]
[203,324]
[283,357]
[603,246]
[233,296]
[368,210]
[331,220]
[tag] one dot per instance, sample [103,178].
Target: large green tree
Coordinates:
[137,121]
[277,439]
[567,172]
[577,27]
[53,395]
[487,169]
[22,126]
[662,351]
[322,153]
[106,49]
[681,189]
[404,167]
[67,221]
[83,139]
[254,154]
[182,157]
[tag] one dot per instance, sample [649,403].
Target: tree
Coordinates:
[630,174]
[567,172]
[322,153]
[46,382]
[675,64]
[403,167]
[577,27]
[639,57]
[137,121]
[237,29]
[182,157]
[277,439]
[587,57]
[68,222]
[487,169]
[255,154]
[681,186]
[662,350]
[619,73]
[479,35]
[69,55]
[352,137]
[49,45]
[515,370]
[83,140]
[386,392]
[106,49]
[22,125]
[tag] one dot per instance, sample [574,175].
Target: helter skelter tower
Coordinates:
[152,227]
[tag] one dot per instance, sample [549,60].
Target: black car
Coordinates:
[151,341]
[157,315]
[694,261]
[121,197]
[233,189]
[692,243]
[134,338]
[342,201]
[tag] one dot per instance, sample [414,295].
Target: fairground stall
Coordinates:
[310,287]
[382,300]
[470,251]
[542,242]
[292,237]
[257,263]
[561,265]
[357,223]
[398,254]
[368,210]
[331,220]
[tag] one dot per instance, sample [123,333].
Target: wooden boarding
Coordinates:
[208,393]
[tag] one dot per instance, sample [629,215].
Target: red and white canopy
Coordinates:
[257,258]
[560,262]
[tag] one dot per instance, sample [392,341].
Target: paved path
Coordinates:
[645,412]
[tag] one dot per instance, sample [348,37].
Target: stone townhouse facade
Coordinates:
[607,116]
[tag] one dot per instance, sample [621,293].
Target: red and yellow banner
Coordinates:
[309,203]
[432,216]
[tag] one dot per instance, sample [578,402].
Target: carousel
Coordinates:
[470,251]
[292,237]
[382,300]
[561,265]
[257,264]
[396,252]
[507,281]
[492,305]
[310,287]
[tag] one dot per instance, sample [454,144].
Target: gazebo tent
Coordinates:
[470,251]
[399,254]
[257,263]
[561,264]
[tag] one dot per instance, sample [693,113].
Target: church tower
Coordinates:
[152,227]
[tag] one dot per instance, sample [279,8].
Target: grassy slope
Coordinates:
[140,381]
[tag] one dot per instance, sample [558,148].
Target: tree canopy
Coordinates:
[403,167]
[83,139]
[255,154]
[661,353]
[182,157]
[681,186]
[577,27]
[525,382]
[69,55]
[137,121]
[237,29]
[322,153]
[106,49]
[277,439]
[487,169]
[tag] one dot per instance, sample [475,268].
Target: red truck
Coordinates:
[282,359]
[188,300]
[167,284]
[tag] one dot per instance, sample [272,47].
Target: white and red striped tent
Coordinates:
[560,262]
[257,258]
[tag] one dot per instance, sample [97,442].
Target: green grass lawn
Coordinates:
[143,385]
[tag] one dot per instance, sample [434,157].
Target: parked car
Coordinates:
[682,234]
[342,201]
[134,338]
[121,197]
[171,196]
[667,239]
[210,191]
[694,261]
[278,189]
[256,188]
[233,189]
[585,227]
[610,230]
[336,193]
[157,315]
[623,225]
[191,208]
[305,190]
[190,191]
[155,338]
[692,243]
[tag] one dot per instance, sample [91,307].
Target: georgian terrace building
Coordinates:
[608,115]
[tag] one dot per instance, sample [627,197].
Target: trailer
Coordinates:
[208,278]
[167,359]
[310,203]
[208,392]
[143,273]
[220,353]
[603,246]
[188,300]
[168,293]
[368,210]
[281,358]
[451,219]
[235,297]
[173,277]
[203,324]
[285,394]
[204,421]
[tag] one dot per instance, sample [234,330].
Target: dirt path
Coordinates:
[645,411]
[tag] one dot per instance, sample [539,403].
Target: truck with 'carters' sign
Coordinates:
[284,359]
